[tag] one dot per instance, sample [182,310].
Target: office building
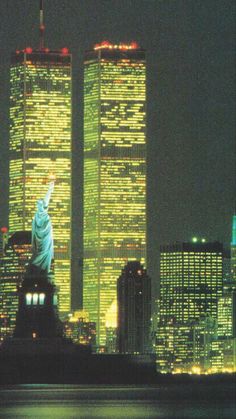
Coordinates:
[114,172]
[134,309]
[223,349]
[80,330]
[190,286]
[226,318]
[17,253]
[223,355]
[40,149]
[204,333]
[228,283]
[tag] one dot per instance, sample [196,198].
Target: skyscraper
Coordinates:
[134,309]
[13,263]
[40,147]
[114,172]
[190,286]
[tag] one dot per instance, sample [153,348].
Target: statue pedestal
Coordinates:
[37,316]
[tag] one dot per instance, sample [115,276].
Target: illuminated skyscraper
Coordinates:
[190,286]
[40,147]
[114,172]
[12,268]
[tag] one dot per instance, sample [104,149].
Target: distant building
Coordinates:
[13,262]
[111,329]
[223,352]
[227,315]
[223,355]
[134,309]
[204,332]
[80,330]
[190,285]
[114,172]
[228,283]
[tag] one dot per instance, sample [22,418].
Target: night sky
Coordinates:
[190,104]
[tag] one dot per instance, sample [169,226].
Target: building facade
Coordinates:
[114,172]
[223,349]
[134,309]
[227,315]
[13,262]
[190,286]
[40,149]
[80,330]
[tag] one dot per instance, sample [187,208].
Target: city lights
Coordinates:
[40,149]
[114,174]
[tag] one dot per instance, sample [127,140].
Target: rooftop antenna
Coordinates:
[41,26]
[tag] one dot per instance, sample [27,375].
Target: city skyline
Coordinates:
[139,164]
[190,104]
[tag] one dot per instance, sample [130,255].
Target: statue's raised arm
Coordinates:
[48,194]
[42,236]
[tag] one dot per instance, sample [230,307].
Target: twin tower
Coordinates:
[114,188]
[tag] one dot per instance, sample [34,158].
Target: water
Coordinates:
[181,401]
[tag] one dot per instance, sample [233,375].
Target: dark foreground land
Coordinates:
[54,380]
[76,369]
[84,368]
[75,384]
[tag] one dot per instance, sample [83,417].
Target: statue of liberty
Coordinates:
[37,288]
[42,236]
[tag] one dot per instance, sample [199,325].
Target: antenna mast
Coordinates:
[41,26]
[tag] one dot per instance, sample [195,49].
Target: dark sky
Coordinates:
[190,102]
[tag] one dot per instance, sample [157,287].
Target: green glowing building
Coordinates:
[13,262]
[40,149]
[114,172]
[190,286]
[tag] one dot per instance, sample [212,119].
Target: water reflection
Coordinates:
[67,402]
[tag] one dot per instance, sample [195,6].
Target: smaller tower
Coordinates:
[134,309]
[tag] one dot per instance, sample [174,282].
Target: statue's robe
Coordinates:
[42,240]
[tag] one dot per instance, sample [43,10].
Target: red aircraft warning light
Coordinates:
[28,50]
[4,230]
[108,45]
[64,51]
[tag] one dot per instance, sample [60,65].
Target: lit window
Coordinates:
[55,300]
[41,298]
[28,299]
[35,299]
